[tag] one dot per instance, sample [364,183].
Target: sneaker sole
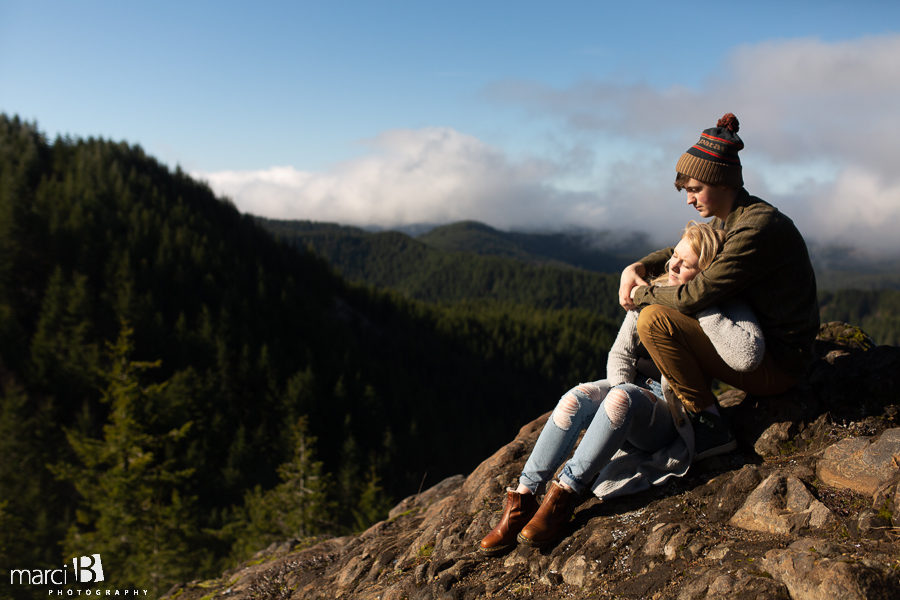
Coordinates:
[717,450]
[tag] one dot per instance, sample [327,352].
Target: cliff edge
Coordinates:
[807,508]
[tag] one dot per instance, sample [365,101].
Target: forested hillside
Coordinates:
[601,251]
[469,260]
[877,312]
[178,388]
[472,262]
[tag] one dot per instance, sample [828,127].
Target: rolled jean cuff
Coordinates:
[566,478]
[531,485]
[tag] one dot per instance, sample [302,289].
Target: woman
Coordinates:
[661,441]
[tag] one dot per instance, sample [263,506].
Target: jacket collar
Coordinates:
[741,202]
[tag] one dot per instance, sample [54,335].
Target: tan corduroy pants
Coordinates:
[689,361]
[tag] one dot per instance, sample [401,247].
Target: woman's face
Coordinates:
[683,264]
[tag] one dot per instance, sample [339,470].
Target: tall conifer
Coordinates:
[132,511]
[297,508]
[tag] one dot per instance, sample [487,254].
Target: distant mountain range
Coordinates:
[471,261]
[601,251]
[837,267]
[467,261]
[840,267]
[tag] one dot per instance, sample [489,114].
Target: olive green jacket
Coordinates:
[763,262]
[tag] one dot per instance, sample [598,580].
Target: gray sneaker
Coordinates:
[711,435]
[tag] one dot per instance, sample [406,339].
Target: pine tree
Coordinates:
[297,508]
[304,487]
[131,510]
[62,355]
[30,513]
[373,504]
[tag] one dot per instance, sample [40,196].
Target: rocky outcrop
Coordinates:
[760,523]
[782,504]
[813,570]
[861,464]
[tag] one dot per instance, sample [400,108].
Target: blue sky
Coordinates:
[520,114]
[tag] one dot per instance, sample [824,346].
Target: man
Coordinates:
[764,261]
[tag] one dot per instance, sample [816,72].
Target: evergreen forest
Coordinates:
[179,388]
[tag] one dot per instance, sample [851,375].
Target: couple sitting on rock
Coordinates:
[734,300]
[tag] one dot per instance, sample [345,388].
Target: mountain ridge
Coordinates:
[419,270]
[472,260]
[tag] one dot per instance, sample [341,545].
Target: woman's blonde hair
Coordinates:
[705,241]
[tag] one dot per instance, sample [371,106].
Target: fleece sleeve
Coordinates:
[735,333]
[621,364]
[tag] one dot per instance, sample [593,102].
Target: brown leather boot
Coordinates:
[518,511]
[551,517]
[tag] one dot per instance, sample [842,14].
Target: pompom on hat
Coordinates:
[714,158]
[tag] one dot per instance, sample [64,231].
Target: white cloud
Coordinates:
[820,121]
[862,208]
[793,98]
[411,176]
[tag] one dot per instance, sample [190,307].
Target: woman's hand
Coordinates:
[632,276]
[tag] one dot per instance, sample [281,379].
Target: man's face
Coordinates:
[709,200]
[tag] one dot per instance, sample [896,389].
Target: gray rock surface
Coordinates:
[812,576]
[770,441]
[782,504]
[886,501]
[739,526]
[860,464]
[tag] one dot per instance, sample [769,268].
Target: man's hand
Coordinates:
[632,276]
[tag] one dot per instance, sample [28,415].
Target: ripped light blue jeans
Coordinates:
[628,415]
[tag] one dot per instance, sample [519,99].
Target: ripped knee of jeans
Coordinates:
[565,411]
[593,391]
[617,405]
[570,403]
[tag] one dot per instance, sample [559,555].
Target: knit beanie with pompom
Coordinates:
[714,159]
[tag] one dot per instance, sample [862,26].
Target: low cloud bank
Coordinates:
[820,122]
[432,175]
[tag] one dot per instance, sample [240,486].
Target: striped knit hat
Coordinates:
[714,159]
